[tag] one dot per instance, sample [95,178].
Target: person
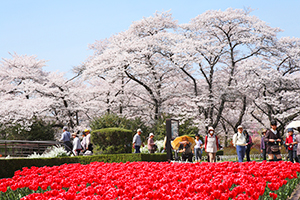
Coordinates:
[295,146]
[263,145]
[248,145]
[88,144]
[186,150]
[197,148]
[289,142]
[151,145]
[239,141]
[137,141]
[211,144]
[83,142]
[298,141]
[66,139]
[76,144]
[273,140]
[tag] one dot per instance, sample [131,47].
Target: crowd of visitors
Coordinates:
[77,147]
[270,145]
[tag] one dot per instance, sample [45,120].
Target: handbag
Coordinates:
[275,148]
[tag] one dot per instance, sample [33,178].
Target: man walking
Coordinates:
[137,141]
[66,139]
[239,141]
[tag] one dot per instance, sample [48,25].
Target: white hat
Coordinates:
[139,130]
[74,134]
[151,134]
[211,128]
[240,126]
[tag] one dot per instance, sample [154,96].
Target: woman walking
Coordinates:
[211,144]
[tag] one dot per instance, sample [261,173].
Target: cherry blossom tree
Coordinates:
[277,83]
[139,61]
[28,92]
[19,101]
[216,44]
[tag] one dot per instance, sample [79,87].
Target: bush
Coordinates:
[113,140]
[113,120]
[38,131]
[188,128]
[9,166]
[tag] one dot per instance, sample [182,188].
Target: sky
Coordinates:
[59,31]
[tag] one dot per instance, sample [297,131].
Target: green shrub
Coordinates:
[113,140]
[9,166]
[113,120]
[188,128]
[38,131]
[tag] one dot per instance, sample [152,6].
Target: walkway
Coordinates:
[296,194]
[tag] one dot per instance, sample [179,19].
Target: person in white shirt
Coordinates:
[76,144]
[211,144]
[239,141]
[83,142]
[197,148]
[88,144]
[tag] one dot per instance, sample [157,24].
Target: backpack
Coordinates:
[154,147]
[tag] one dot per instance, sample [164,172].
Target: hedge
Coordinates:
[9,166]
[113,140]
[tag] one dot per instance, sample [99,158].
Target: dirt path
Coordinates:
[296,194]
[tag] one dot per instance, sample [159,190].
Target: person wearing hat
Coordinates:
[211,144]
[263,144]
[185,149]
[273,140]
[239,141]
[66,139]
[76,144]
[137,141]
[290,142]
[151,145]
[88,144]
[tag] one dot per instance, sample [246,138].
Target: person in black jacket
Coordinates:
[273,140]
[248,145]
[186,150]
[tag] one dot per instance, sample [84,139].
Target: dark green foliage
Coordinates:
[158,127]
[9,166]
[185,128]
[113,120]
[188,128]
[113,140]
[108,121]
[39,131]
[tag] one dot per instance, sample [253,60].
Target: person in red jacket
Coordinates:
[211,144]
[289,142]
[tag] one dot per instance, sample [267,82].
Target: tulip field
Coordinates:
[154,180]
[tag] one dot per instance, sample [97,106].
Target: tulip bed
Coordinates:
[154,180]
